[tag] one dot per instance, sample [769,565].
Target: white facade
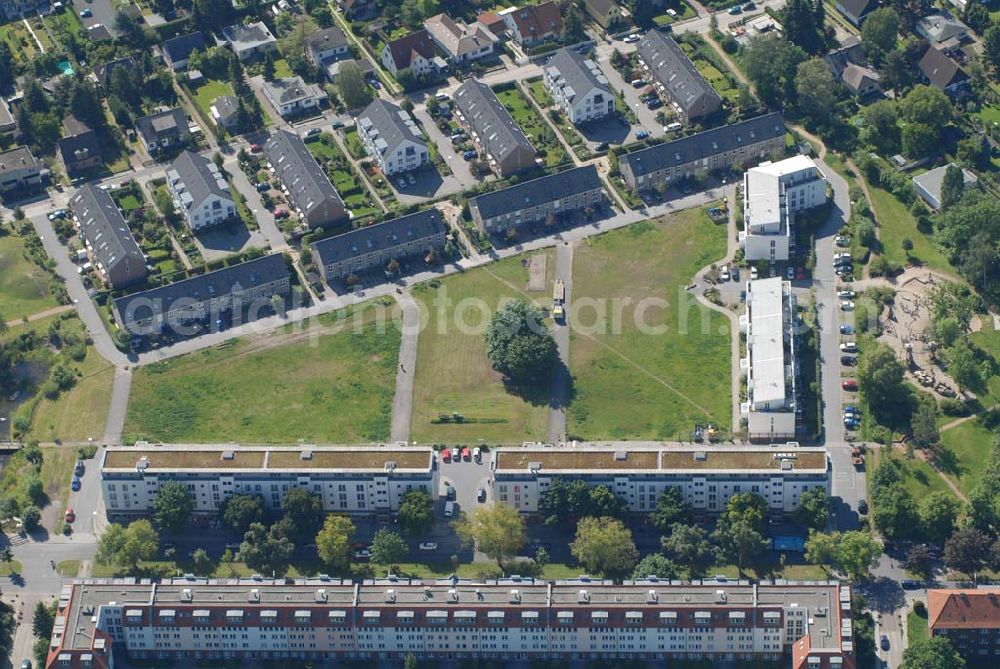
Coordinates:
[772,194]
[707,478]
[578,87]
[392,138]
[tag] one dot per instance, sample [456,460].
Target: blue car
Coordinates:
[642,134]
[469,155]
[75,483]
[847,329]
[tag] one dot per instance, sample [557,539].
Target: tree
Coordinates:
[770,63]
[963,366]
[388,547]
[689,546]
[201,564]
[604,546]
[518,342]
[31,516]
[333,542]
[266,550]
[880,374]
[241,511]
[497,530]
[919,140]
[882,126]
[920,561]
[656,565]
[816,91]
[42,621]
[931,653]
[670,508]
[966,550]
[643,13]
[952,185]
[821,547]
[896,73]
[173,506]
[923,423]
[351,86]
[745,507]
[127,546]
[739,542]
[573,27]
[858,553]
[416,513]
[973,152]
[927,105]
[991,45]
[800,27]
[303,513]
[895,513]
[814,509]
[878,33]
[603,502]
[938,513]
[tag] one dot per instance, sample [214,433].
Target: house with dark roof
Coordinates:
[16,9]
[201,194]
[391,137]
[495,24]
[79,149]
[500,141]
[578,86]
[326,46]
[375,246]
[250,41]
[177,50]
[534,201]
[942,72]
[205,298]
[7,122]
[462,42]
[676,77]
[849,64]
[105,234]
[533,24]
[308,188]
[855,11]
[359,10]
[225,111]
[103,71]
[607,13]
[163,130]
[19,170]
[969,619]
[414,52]
[741,143]
[291,96]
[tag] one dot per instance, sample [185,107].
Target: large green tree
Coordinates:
[497,530]
[519,344]
[303,513]
[967,550]
[800,26]
[656,565]
[816,91]
[172,506]
[952,185]
[771,63]
[938,513]
[857,554]
[127,546]
[604,546]
[416,513]
[333,542]
[388,548]
[878,33]
[931,653]
[266,550]
[240,511]
[814,509]
[351,86]
[689,546]
[670,508]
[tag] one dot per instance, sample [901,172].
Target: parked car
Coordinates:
[451,492]
[847,305]
[749,7]
[442,96]
[75,483]
[846,329]
[70,515]
[654,103]
[363,554]
[603,146]
[848,360]
[790,273]
[466,454]
[78,468]
[910,584]
[412,179]
[280,214]
[884,642]
[642,134]
[849,384]
[754,273]
[481,495]
[25,663]
[843,241]
[469,155]
[629,39]
[735,273]
[446,455]
[735,9]
[86,13]
[456,454]
[862,507]
[263,187]
[477,454]
[849,347]
[724,274]
[846,294]
[312,132]
[428,546]
[337,125]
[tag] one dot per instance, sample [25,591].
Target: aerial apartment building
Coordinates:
[707,477]
[109,242]
[676,77]
[804,624]
[578,86]
[500,141]
[309,189]
[392,138]
[772,194]
[200,192]
[355,479]
[771,360]
[970,619]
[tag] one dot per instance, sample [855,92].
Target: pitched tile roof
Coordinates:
[180,47]
[104,228]
[420,225]
[491,122]
[940,69]
[308,186]
[966,609]
[857,8]
[402,49]
[575,74]
[388,125]
[537,191]
[704,144]
[534,21]
[457,39]
[196,178]
[671,68]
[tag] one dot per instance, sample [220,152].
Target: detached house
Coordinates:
[19,170]
[855,11]
[164,130]
[607,13]
[327,46]
[534,24]
[392,138]
[225,111]
[375,246]
[249,41]
[850,65]
[495,24]
[676,77]
[79,149]
[308,188]
[200,191]
[500,141]
[463,43]
[943,73]
[109,242]
[177,50]
[292,96]
[414,52]
[578,86]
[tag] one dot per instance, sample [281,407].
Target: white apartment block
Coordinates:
[200,192]
[578,87]
[772,194]
[392,138]
[802,624]
[362,479]
[771,359]
[707,477]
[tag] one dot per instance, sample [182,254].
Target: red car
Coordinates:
[70,515]
[466,454]
[849,384]
[446,455]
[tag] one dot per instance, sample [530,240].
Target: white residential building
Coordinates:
[392,138]
[707,477]
[772,194]
[354,479]
[578,86]
[201,194]
[771,359]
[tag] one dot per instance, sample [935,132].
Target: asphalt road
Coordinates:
[562,380]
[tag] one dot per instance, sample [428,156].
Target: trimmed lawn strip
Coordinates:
[453,373]
[896,223]
[631,385]
[334,387]
[916,626]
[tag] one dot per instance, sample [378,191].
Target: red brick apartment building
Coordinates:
[970,619]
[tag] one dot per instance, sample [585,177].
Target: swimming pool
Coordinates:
[66,67]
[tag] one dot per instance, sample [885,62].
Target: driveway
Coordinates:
[268,226]
[646,116]
[459,167]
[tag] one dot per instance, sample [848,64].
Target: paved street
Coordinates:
[562,381]
[119,404]
[459,167]
[402,405]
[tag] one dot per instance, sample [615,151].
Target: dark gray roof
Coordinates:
[247,36]
[575,73]
[704,144]
[857,8]
[256,272]
[489,119]
[103,71]
[421,225]
[940,69]
[73,148]
[291,89]
[537,191]
[671,68]
[391,124]
[104,227]
[328,38]
[307,184]
[195,178]
[16,159]
[154,124]
[180,47]
[226,105]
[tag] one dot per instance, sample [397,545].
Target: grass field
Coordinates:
[919,478]
[453,373]
[24,286]
[22,45]
[533,126]
[916,626]
[79,413]
[896,223]
[333,388]
[631,385]
[966,449]
[205,94]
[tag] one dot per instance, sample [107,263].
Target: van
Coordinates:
[636,83]
[477,454]
[449,509]
[673,127]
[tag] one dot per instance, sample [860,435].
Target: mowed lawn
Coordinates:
[919,478]
[896,223]
[453,373]
[966,449]
[205,94]
[24,287]
[631,385]
[81,412]
[336,387]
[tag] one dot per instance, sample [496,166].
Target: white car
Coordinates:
[724,275]
[428,546]
[754,273]
[363,554]
[849,347]
[456,455]
[846,294]
[631,38]
[847,305]
[841,256]
[843,241]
